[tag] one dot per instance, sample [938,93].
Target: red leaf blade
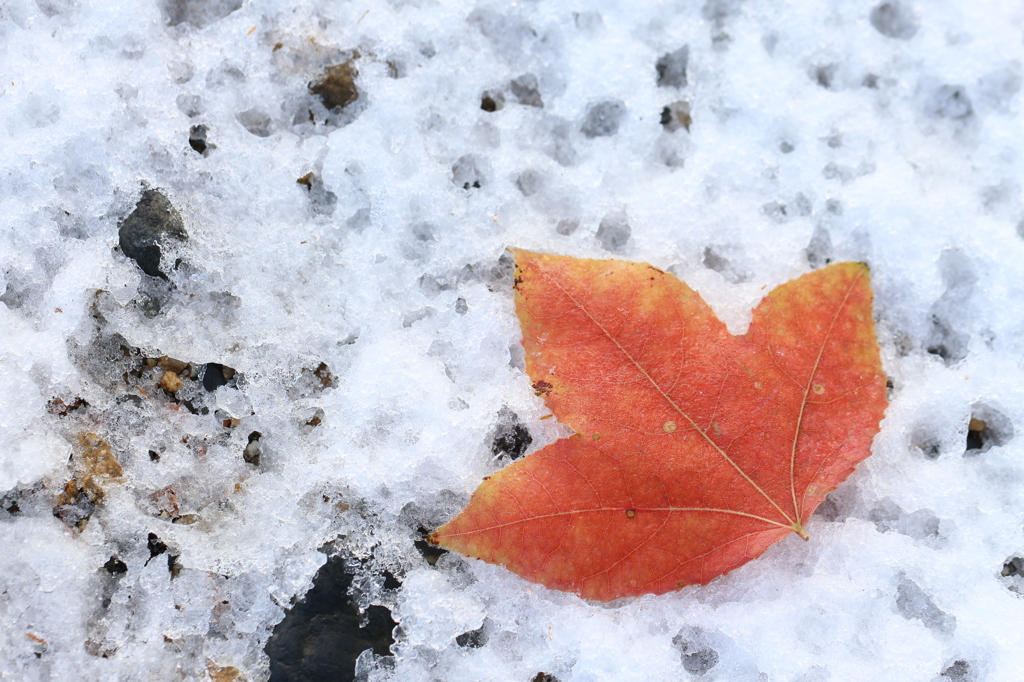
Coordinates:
[696,450]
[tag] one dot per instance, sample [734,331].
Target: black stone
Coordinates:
[1012,567]
[321,636]
[115,566]
[252,451]
[197,139]
[492,101]
[153,221]
[213,377]
[510,437]
[155,546]
[428,551]
[473,639]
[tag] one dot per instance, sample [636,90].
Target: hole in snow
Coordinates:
[889,516]
[603,118]
[894,19]
[987,427]
[671,68]
[958,671]
[613,233]
[492,101]
[913,603]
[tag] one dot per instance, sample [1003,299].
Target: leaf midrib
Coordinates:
[617,510]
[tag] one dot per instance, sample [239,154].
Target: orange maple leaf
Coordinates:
[695,450]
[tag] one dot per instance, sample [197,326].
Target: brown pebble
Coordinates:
[336,87]
[227,673]
[169,363]
[170,382]
[96,458]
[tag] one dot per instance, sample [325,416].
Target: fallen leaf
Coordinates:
[695,450]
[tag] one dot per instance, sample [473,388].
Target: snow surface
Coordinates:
[889,133]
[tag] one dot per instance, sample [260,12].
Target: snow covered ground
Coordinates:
[324,361]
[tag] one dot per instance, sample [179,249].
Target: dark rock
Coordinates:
[336,86]
[895,20]
[60,408]
[197,139]
[173,565]
[155,545]
[216,375]
[153,222]
[430,552]
[77,502]
[676,116]
[527,90]
[671,68]
[115,566]
[603,118]
[492,101]
[511,437]
[1014,566]
[252,452]
[544,677]
[473,639]
[321,637]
